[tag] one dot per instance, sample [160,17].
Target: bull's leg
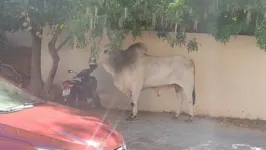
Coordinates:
[128,93]
[136,89]
[180,98]
[156,90]
[188,94]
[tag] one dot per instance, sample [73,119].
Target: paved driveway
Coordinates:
[157,131]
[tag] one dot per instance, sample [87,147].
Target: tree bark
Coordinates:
[36,82]
[55,58]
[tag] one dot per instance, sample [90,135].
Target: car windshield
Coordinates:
[12,96]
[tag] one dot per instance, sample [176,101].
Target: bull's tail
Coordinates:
[193,93]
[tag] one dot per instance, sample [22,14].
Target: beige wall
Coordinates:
[230,79]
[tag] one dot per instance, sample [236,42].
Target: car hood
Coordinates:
[66,124]
[9,143]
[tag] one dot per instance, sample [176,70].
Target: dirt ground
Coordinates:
[157,131]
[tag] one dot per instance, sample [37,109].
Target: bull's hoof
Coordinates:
[131,117]
[189,120]
[175,117]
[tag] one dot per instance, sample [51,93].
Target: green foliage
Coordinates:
[229,24]
[220,18]
[88,21]
[32,15]
[9,17]
[118,18]
[192,45]
[48,11]
[234,17]
[176,11]
[116,39]
[260,35]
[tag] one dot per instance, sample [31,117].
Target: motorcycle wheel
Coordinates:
[96,99]
[70,100]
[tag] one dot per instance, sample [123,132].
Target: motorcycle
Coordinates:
[81,90]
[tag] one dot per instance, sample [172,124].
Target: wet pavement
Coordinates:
[157,131]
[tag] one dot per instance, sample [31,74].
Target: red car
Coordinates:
[29,123]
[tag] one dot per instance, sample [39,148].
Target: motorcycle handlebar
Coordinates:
[83,73]
[77,76]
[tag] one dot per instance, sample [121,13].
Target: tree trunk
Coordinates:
[55,58]
[50,79]
[36,82]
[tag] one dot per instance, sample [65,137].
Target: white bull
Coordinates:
[134,70]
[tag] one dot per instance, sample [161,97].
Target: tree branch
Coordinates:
[54,38]
[12,68]
[63,43]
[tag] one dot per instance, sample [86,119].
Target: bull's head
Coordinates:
[104,56]
[111,57]
[111,60]
[107,59]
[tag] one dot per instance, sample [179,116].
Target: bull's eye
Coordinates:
[105,51]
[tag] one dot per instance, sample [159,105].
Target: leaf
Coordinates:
[61,26]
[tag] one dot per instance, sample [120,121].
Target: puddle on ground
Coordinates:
[220,146]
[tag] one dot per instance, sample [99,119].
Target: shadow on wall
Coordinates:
[18,52]
[109,94]
[16,63]
[19,57]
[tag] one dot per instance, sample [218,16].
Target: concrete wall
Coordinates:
[230,79]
